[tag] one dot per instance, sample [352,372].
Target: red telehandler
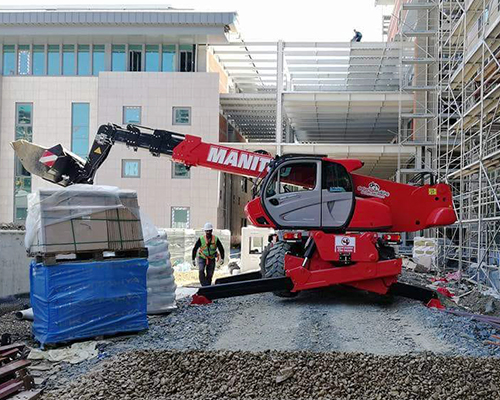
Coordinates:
[327,216]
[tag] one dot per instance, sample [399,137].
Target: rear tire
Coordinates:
[274,265]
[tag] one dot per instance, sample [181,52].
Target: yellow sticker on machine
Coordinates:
[98,150]
[433,191]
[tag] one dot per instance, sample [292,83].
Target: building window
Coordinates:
[244,185]
[131,115]
[83,59]
[180,171]
[39,60]
[54,60]
[131,168]
[181,116]
[180,217]
[168,63]
[68,59]
[152,58]
[98,55]
[80,120]
[187,57]
[135,57]
[22,178]
[9,60]
[23,59]
[118,57]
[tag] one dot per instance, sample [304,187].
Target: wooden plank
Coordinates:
[11,353]
[9,387]
[9,347]
[12,367]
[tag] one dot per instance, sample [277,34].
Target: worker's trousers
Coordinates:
[206,268]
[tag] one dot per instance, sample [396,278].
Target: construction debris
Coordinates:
[285,375]
[75,354]
[14,375]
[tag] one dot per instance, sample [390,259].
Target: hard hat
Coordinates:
[208,227]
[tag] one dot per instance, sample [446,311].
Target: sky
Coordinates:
[311,20]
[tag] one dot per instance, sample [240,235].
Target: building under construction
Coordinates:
[453,76]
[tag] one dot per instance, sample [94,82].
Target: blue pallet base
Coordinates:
[78,300]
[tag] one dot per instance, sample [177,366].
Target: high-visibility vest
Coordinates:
[208,250]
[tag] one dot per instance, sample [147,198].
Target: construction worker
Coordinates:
[208,248]
[357,36]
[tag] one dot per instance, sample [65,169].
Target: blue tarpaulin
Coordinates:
[78,300]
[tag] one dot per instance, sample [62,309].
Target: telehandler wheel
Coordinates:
[263,256]
[274,264]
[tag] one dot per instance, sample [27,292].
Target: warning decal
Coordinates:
[345,244]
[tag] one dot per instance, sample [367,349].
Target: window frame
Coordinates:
[174,176]
[125,161]
[16,162]
[73,127]
[180,208]
[124,108]
[174,112]
[125,52]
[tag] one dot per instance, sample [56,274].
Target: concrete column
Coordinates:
[279,97]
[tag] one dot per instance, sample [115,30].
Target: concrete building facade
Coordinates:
[66,72]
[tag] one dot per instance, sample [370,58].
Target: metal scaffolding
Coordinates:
[468,134]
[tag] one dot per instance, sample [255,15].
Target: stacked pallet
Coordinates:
[83,219]
[15,379]
[88,276]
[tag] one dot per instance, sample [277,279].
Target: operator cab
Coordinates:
[308,192]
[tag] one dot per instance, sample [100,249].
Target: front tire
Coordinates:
[274,265]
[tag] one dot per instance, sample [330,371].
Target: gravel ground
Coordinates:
[285,375]
[333,319]
[20,331]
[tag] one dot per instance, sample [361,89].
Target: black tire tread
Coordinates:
[274,265]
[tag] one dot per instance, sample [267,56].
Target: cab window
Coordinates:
[296,177]
[336,178]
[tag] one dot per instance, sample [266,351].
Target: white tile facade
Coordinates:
[156,94]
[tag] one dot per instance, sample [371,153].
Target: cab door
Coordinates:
[292,194]
[337,196]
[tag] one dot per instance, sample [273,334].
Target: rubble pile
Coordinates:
[285,375]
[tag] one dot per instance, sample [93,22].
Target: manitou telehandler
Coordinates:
[326,215]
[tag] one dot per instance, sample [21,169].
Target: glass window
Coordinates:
[98,59]
[182,116]
[54,60]
[22,178]
[180,217]
[131,168]
[9,60]
[39,60]
[256,243]
[131,115]
[24,114]
[180,171]
[168,58]
[23,59]
[83,59]
[336,178]
[135,57]
[152,58]
[80,120]
[297,177]
[68,59]
[118,57]
[187,57]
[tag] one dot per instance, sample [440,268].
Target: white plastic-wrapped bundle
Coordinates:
[160,278]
